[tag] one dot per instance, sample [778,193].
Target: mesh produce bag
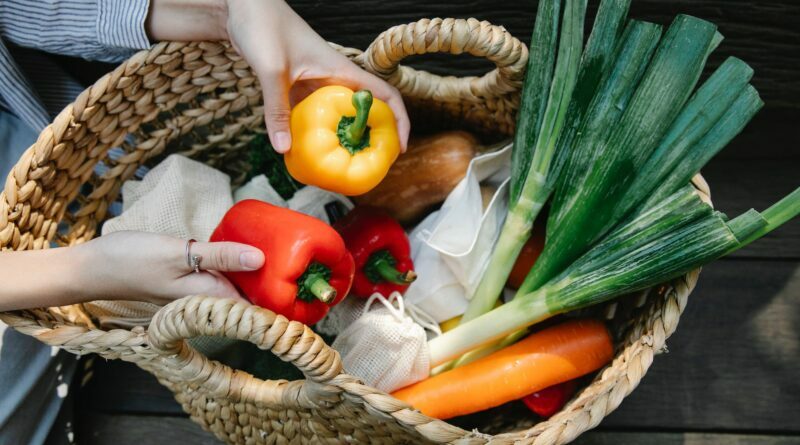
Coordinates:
[179,197]
[387,347]
[341,316]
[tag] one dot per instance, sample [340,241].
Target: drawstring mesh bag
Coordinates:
[341,316]
[387,346]
[202,100]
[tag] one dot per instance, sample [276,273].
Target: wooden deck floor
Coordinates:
[731,374]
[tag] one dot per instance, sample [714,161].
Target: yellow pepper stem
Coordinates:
[353,132]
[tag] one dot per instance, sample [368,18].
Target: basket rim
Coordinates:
[71,329]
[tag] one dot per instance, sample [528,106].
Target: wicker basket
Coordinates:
[204,97]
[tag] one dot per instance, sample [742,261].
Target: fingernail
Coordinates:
[282,142]
[251,260]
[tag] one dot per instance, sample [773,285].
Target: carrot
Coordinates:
[551,356]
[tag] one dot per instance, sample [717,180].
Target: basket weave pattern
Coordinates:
[202,100]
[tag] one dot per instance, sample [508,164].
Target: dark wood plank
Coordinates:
[764,33]
[118,387]
[637,438]
[740,184]
[772,134]
[732,364]
[105,429]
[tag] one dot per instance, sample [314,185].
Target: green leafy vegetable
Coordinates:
[618,139]
[265,160]
[585,209]
[534,193]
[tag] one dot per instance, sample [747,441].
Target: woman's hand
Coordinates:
[121,266]
[289,58]
[152,267]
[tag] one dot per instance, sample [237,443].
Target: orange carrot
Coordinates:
[551,356]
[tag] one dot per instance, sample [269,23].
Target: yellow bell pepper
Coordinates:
[342,141]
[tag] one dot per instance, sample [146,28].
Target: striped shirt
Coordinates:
[34,380]
[33,87]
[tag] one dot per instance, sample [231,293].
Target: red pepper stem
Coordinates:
[362,100]
[321,289]
[389,273]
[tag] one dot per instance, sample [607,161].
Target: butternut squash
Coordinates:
[422,178]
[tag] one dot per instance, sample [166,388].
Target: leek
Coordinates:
[602,274]
[533,193]
[585,210]
[598,57]
[780,213]
[538,77]
[716,97]
[631,60]
[747,104]
[535,154]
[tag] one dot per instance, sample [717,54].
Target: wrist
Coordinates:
[44,278]
[188,20]
[79,271]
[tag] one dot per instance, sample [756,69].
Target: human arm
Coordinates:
[120,266]
[289,58]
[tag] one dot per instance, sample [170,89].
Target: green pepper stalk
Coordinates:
[380,249]
[314,284]
[353,132]
[381,266]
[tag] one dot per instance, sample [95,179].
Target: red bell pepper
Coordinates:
[380,249]
[528,255]
[550,400]
[307,268]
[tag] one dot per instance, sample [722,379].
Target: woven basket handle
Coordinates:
[194,316]
[454,36]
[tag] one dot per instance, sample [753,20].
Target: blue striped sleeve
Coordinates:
[120,23]
[16,93]
[106,30]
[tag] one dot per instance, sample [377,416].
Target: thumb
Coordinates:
[228,257]
[277,112]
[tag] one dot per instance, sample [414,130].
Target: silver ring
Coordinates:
[193,261]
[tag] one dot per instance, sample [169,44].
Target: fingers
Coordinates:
[403,123]
[206,283]
[277,110]
[227,257]
[277,106]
